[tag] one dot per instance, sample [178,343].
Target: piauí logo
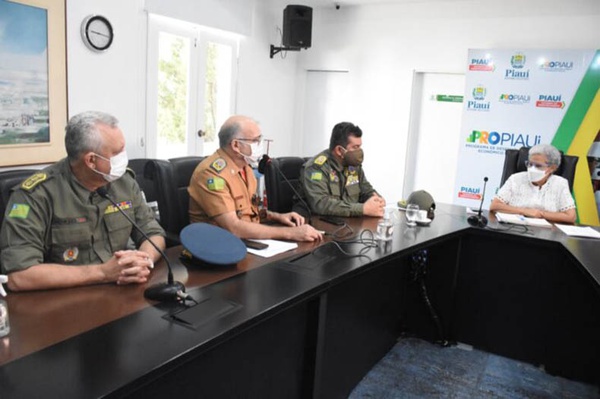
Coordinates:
[479,92]
[518,60]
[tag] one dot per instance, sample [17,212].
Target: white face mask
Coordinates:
[256,153]
[118,166]
[535,174]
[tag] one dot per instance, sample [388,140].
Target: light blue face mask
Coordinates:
[118,166]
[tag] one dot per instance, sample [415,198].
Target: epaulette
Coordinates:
[131,172]
[320,160]
[34,180]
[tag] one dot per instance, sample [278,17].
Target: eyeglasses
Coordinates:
[258,140]
[537,165]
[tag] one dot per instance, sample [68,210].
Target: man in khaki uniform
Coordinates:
[222,188]
[334,183]
[58,232]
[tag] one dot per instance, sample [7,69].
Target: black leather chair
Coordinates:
[8,180]
[280,196]
[171,179]
[514,161]
[138,165]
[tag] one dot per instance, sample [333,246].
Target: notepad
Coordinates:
[578,231]
[520,219]
[275,247]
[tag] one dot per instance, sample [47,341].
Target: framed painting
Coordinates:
[33,81]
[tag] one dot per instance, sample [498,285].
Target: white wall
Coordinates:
[381,45]
[114,81]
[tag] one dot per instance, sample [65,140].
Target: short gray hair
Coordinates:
[549,151]
[82,134]
[228,132]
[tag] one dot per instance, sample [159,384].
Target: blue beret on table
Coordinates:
[211,244]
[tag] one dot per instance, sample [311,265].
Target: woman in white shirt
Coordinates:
[538,193]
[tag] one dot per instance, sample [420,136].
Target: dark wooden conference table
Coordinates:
[311,322]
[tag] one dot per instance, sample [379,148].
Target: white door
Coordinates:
[191,87]
[434,134]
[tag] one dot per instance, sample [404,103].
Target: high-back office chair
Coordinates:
[9,179]
[280,196]
[171,179]
[146,184]
[514,162]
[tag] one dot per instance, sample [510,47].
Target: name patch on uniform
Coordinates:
[320,159]
[219,164]
[215,184]
[77,220]
[318,176]
[19,211]
[70,254]
[123,205]
[33,181]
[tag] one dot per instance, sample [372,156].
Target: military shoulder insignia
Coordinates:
[19,211]
[320,160]
[215,184]
[33,181]
[219,164]
[318,176]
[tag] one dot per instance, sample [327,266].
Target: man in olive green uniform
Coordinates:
[222,188]
[334,183]
[58,232]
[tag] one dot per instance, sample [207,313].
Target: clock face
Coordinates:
[97,33]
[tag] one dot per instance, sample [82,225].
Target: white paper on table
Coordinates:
[275,247]
[578,231]
[520,219]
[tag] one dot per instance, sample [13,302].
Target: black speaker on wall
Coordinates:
[297,26]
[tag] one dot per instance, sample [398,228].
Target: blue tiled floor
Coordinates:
[418,369]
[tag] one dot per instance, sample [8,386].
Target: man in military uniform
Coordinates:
[222,188]
[58,232]
[334,183]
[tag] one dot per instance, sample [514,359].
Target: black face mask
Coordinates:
[353,158]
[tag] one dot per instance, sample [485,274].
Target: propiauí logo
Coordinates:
[478,102]
[550,101]
[482,64]
[556,66]
[515,99]
[518,71]
[504,139]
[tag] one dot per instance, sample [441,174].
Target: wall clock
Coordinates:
[97,33]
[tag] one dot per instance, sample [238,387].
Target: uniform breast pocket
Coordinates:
[68,242]
[243,208]
[119,229]
[353,191]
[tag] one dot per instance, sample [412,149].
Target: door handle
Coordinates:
[201,133]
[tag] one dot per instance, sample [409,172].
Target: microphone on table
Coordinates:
[163,292]
[479,220]
[266,160]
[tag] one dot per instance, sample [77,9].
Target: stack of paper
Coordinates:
[578,231]
[520,219]
[274,247]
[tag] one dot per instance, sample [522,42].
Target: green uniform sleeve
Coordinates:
[23,232]
[324,196]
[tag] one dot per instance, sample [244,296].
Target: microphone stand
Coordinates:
[479,220]
[169,291]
